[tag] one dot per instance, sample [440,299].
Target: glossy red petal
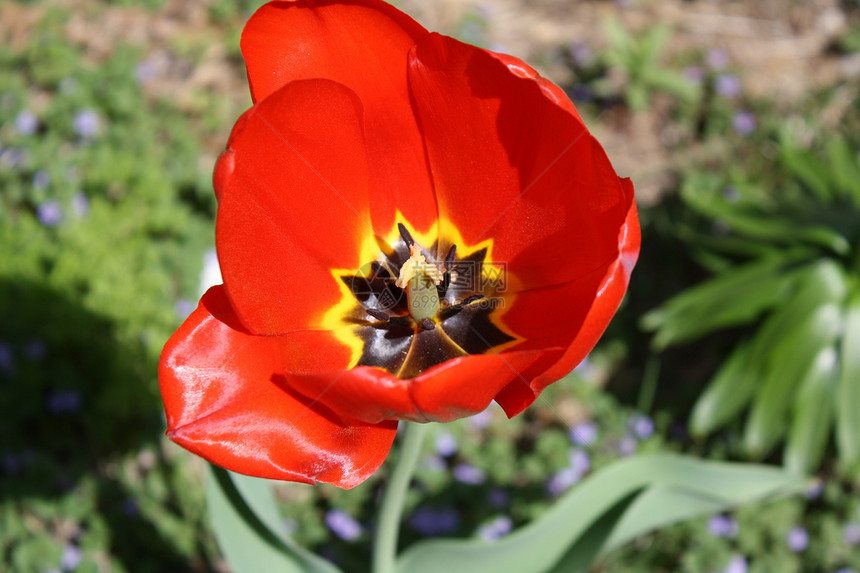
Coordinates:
[294,204]
[512,161]
[446,392]
[362,44]
[227,401]
[517,396]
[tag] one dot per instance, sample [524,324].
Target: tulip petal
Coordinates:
[362,44]
[512,161]
[446,392]
[293,205]
[517,396]
[227,402]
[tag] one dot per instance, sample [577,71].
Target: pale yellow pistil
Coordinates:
[419,279]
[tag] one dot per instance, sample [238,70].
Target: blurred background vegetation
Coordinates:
[739,123]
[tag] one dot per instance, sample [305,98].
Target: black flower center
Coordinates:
[415,309]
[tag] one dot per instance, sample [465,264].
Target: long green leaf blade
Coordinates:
[848,391]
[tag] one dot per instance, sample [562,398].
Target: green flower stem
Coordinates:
[385,542]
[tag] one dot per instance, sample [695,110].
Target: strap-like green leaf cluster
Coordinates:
[788,265]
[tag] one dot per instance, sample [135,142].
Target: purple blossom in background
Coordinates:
[86,123]
[34,350]
[728,85]
[64,402]
[446,444]
[580,92]
[13,157]
[498,498]
[496,529]
[80,204]
[731,194]
[464,473]
[717,58]
[627,446]
[482,419]
[435,463]
[723,526]
[797,539]
[579,461]
[845,570]
[41,179]
[851,534]
[737,564]
[694,74]
[71,558]
[641,425]
[130,507]
[584,433]
[815,490]
[50,213]
[744,122]
[26,123]
[581,54]
[7,361]
[183,307]
[145,71]
[433,522]
[343,525]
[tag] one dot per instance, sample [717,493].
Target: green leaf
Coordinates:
[248,527]
[803,165]
[812,417]
[844,167]
[544,544]
[728,393]
[791,355]
[736,297]
[848,390]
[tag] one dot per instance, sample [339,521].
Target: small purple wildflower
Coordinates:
[433,522]
[731,194]
[41,179]
[343,525]
[797,539]
[86,123]
[561,481]
[496,529]
[464,473]
[26,123]
[641,425]
[717,58]
[13,157]
[145,71]
[579,461]
[851,534]
[183,307]
[482,419]
[693,74]
[498,498]
[583,433]
[744,122]
[64,402]
[728,85]
[723,526]
[627,446]
[129,507]
[737,564]
[71,558]
[581,54]
[7,360]
[580,92]
[845,570]
[80,204]
[50,213]
[435,463]
[446,444]
[34,350]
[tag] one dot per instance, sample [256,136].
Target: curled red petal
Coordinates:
[512,160]
[517,396]
[294,204]
[454,389]
[226,400]
[362,44]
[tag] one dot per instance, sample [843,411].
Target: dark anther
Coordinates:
[379,270]
[428,324]
[377,314]
[405,235]
[449,258]
[471,299]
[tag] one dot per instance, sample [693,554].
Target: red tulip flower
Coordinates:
[408,228]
